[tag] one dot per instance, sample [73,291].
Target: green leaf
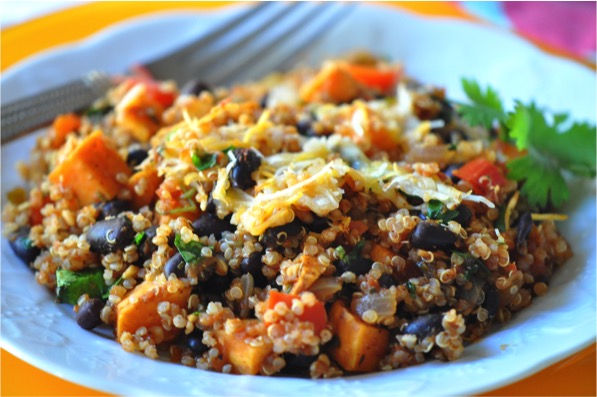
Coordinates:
[411,289]
[472,265]
[434,209]
[356,251]
[229,148]
[71,285]
[485,108]
[542,182]
[437,211]
[519,124]
[340,252]
[191,251]
[139,237]
[205,161]
[106,293]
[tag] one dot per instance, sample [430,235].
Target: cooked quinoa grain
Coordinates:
[320,236]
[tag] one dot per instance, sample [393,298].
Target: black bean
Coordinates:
[23,247]
[88,316]
[252,264]
[146,247]
[464,216]
[298,362]
[432,237]
[216,284]
[525,224]
[194,87]
[491,303]
[211,205]
[195,342]
[276,236]
[446,112]
[136,155]
[110,235]
[113,208]
[175,265]
[304,127]
[413,200]
[448,171]
[247,161]
[358,266]
[425,325]
[319,224]
[209,223]
[386,280]
[263,101]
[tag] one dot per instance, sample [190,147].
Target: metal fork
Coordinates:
[266,37]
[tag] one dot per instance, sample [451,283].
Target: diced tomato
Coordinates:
[314,314]
[153,91]
[383,79]
[482,175]
[359,226]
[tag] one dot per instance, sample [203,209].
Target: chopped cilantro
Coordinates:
[71,285]
[229,148]
[106,294]
[139,237]
[191,251]
[412,290]
[204,161]
[486,107]
[437,211]
[552,142]
[340,252]
[472,265]
[356,251]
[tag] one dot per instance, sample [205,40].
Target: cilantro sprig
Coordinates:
[552,142]
[204,161]
[437,210]
[191,251]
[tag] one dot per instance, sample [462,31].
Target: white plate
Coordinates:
[435,50]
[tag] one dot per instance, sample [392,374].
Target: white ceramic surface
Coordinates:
[439,51]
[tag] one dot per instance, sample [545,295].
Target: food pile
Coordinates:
[319,223]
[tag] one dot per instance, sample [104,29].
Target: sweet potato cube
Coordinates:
[143,186]
[244,358]
[139,308]
[361,345]
[91,170]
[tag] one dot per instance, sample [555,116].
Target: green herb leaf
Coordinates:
[340,252]
[191,251]
[71,285]
[486,107]
[552,142]
[437,211]
[139,237]
[472,265]
[412,290]
[106,294]
[205,161]
[229,148]
[98,112]
[356,251]
[434,209]
[542,181]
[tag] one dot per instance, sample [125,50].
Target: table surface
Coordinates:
[572,376]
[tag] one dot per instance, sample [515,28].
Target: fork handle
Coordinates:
[35,111]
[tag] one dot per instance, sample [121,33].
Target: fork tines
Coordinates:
[267,37]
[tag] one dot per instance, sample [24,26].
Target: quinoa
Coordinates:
[253,240]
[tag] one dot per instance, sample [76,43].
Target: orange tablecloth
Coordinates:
[573,376]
